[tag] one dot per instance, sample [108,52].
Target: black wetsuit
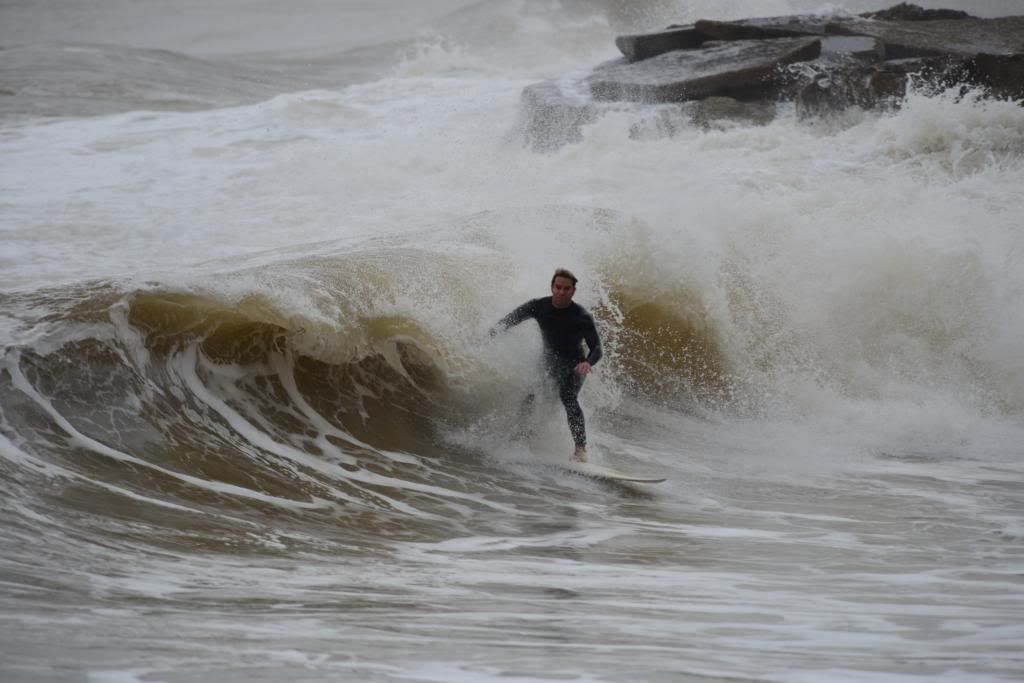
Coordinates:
[564,330]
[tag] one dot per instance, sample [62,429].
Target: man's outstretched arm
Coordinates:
[514,318]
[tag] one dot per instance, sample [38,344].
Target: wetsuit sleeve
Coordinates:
[593,342]
[527,310]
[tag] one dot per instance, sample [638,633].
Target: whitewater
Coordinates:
[252,426]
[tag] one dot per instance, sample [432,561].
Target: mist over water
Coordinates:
[252,426]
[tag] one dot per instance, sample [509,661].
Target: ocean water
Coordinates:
[252,426]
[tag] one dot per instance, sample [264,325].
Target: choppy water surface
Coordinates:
[252,427]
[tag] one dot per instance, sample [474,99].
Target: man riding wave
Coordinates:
[564,327]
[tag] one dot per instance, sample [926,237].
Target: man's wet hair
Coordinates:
[562,272]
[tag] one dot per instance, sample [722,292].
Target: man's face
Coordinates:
[562,290]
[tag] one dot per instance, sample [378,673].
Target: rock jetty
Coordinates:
[712,72]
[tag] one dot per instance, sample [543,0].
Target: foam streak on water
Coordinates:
[252,426]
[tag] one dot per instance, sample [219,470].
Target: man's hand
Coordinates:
[584,368]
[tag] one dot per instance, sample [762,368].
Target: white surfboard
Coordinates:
[589,469]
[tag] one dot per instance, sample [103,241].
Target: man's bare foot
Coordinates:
[580,455]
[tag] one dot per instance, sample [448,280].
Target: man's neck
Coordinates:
[562,307]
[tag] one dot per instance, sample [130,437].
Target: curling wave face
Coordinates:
[159,404]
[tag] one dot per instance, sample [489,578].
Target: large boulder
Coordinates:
[737,68]
[763,29]
[1003,75]
[646,45]
[873,86]
[991,50]
[719,112]
[712,113]
[842,49]
[961,38]
[906,11]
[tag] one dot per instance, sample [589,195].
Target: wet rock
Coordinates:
[906,11]
[741,67]
[1002,75]
[665,121]
[840,49]
[963,37]
[763,29]
[713,111]
[874,86]
[993,48]
[888,83]
[820,98]
[836,80]
[646,45]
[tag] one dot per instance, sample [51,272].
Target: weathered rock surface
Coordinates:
[1003,75]
[877,86]
[908,12]
[986,52]
[740,67]
[711,112]
[962,37]
[763,29]
[647,45]
[839,49]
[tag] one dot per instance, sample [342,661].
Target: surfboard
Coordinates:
[589,469]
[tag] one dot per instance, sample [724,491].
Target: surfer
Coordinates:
[564,326]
